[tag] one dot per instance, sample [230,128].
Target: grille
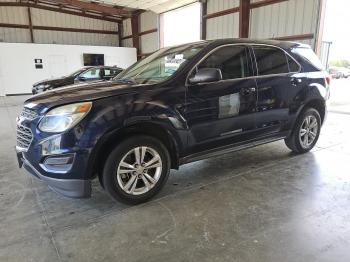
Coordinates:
[24,137]
[28,114]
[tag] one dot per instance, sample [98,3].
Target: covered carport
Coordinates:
[261,204]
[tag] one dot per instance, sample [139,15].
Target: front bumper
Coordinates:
[73,188]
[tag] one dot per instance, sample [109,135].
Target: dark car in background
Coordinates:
[180,104]
[86,74]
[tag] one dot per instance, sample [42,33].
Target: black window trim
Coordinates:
[251,53]
[280,74]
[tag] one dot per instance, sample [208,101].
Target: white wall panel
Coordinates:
[223,27]
[14,54]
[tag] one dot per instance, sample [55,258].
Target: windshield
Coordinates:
[77,72]
[161,65]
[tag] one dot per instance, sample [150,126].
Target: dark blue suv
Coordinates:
[178,105]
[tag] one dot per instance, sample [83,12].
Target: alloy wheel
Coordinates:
[139,170]
[308,131]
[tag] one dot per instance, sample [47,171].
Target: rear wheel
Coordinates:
[136,169]
[306,132]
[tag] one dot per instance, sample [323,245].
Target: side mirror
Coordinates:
[206,75]
[81,78]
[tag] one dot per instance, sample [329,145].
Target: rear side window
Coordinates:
[108,72]
[293,66]
[271,60]
[231,60]
[310,56]
[111,72]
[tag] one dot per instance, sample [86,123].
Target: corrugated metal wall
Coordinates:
[14,15]
[149,42]
[19,15]
[226,26]
[127,31]
[293,17]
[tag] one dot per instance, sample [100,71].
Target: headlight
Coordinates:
[64,117]
[42,86]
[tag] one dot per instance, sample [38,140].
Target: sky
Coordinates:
[337,28]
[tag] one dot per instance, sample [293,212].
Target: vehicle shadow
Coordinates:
[63,212]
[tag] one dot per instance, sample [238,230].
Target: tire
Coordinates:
[135,182]
[299,143]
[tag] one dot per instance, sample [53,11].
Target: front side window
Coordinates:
[91,74]
[231,60]
[270,60]
[161,65]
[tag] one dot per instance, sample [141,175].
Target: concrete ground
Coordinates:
[340,96]
[261,204]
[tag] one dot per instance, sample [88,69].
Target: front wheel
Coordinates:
[136,169]
[306,132]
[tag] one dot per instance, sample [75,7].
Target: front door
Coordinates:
[222,113]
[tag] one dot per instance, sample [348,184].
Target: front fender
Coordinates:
[112,121]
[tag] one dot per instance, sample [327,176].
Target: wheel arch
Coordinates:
[319,105]
[109,141]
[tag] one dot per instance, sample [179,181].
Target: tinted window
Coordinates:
[108,72]
[310,56]
[162,64]
[271,60]
[293,66]
[91,74]
[111,72]
[231,60]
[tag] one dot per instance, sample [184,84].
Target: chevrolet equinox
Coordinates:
[178,105]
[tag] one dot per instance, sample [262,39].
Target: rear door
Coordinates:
[278,84]
[221,113]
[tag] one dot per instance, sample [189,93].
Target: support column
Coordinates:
[30,25]
[320,26]
[204,20]
[244,16]
[120,33]
[135,27]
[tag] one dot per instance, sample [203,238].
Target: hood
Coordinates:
[78,93]
[56,81]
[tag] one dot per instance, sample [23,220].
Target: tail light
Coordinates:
[328,80]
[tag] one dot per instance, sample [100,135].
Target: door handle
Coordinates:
[248,91]
[295,81]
